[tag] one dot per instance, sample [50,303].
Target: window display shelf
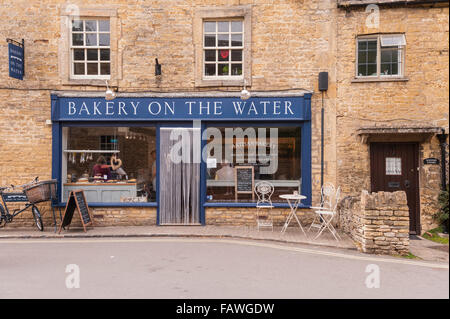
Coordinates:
[91,151]
[230,183]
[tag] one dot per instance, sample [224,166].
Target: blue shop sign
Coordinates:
[191,108]
[16,61]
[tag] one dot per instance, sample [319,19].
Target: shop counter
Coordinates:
[102,192]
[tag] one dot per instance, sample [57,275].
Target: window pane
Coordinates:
[210,69]
[372,45]
[210,40]
[362,57]
[210,55]
[236,69]
[236,26]
[362,70]
[138,164]
[77,39]
[104,39]
[223,26]
[91,25]
[372,57]
[210,26]
[92,69]
[222,69]
[91,39]
[78,54]
[372,69]
[78,68]
[386,56]
[236,40]
[236,55]
[223,40]
[92,54]
[395,69]
[103,25]
[278,162]
[224,55]
[77,25]
[104,55]
[104,68]
[362,45]
[386,69]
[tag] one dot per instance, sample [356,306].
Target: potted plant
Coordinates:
[442,214]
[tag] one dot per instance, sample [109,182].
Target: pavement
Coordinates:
[185,268]
[422,248]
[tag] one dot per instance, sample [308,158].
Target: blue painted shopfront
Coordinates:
[159,112]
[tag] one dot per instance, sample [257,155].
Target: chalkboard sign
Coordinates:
[77,201]
[244,180]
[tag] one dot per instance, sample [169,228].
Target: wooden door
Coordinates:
[394,167]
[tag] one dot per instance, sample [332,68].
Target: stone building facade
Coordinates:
[287,44]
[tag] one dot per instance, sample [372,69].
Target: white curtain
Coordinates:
[179,195]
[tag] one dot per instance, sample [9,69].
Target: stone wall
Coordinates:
[241,216]
[377,222]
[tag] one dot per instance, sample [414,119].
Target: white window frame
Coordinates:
[229,47]
[379,75]
[242,12]
[84,47]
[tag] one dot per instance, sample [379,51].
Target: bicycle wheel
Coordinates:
[2,216]
[37,218]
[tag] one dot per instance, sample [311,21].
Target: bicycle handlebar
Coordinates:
[20,186]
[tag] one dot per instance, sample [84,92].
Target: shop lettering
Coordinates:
[182,108]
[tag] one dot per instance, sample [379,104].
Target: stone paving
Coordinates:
[292,234]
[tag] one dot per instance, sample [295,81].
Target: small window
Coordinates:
[380,55]
[90,49]
[223,46]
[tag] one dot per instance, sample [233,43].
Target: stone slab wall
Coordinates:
[377,222]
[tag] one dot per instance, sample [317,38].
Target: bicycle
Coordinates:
[9,196]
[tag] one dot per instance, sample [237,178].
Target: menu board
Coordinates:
[77,201]
[244,177]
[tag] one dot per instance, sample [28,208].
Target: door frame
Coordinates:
[417,177]
[181,124]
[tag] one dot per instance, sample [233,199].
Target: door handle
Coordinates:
[407,183]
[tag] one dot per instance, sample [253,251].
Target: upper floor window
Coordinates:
[90,49]
[223,47]
[380,55]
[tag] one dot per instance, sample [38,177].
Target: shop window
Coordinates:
[222,38]
[273,152]
[111,164]
[380,56]
[90,49]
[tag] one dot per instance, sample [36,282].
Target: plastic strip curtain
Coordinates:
[179,180]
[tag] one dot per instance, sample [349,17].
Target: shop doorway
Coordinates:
[394,167]
[179,176]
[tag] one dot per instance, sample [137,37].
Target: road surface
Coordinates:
[207,268]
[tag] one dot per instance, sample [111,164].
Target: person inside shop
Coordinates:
[116,166]
[102,168]
[226,173]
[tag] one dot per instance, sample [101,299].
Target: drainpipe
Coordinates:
[323,86]
[442,143]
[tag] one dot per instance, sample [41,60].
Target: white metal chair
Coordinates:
[326,201]
[264,191]
[327,216]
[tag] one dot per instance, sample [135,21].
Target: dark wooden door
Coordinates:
[393,167]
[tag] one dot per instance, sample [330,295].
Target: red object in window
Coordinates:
[224,54]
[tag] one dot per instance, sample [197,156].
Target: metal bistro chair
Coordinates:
[327,216]
[326,198]
[264,191]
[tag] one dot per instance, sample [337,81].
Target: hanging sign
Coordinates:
[77,200]
[16,59]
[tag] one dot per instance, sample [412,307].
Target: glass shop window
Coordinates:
[273,153]
[111,164]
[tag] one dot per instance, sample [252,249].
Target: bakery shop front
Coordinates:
[181,154]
